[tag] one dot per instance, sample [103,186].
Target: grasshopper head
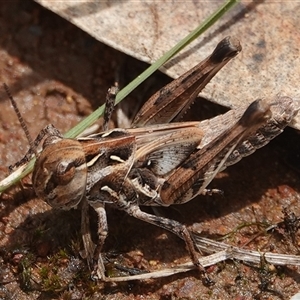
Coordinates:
[60,173]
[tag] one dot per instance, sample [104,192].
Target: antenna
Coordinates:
[21,120]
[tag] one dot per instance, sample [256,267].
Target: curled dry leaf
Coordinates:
[269,33]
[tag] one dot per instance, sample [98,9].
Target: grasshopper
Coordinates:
[155,162]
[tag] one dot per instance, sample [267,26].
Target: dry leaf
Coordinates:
[269,33]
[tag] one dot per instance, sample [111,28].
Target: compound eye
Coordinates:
[67,185]
[65,172]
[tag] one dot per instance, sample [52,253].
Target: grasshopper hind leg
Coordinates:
[175,227]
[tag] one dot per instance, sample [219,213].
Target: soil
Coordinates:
[58,74]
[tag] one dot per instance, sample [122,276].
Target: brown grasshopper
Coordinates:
[154,163]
